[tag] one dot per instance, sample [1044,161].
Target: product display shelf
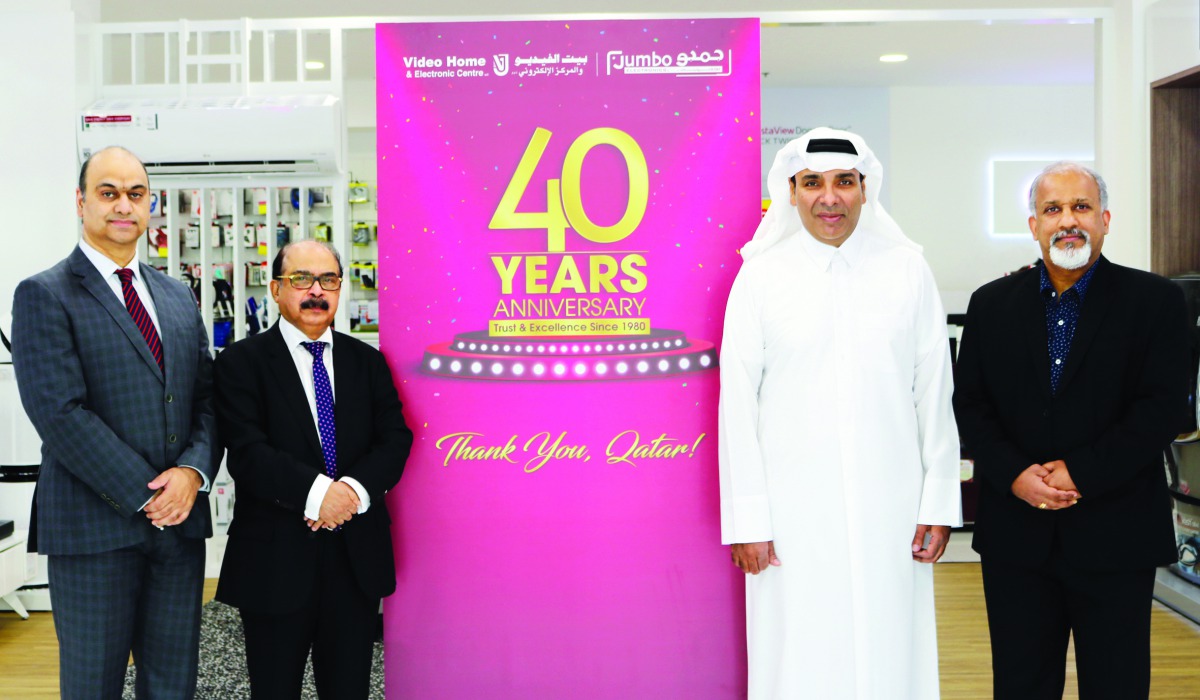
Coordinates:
[229,206]
[361,295]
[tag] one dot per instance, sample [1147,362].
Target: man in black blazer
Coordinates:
[1071,379]
[310,546]
[114,370]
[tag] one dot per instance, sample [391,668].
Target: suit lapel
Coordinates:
[1031,317]
[1100,294]
[98,287]
[287,379]
[345,372]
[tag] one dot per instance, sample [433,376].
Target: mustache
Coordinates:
[1070,232]
[315,303]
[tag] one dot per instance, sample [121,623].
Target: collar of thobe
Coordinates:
[292,336]
[851,251]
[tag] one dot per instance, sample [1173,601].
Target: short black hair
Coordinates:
[277,263]
[84,168]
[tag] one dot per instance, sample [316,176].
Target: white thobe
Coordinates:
[837,438]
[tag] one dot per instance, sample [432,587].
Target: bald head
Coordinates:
[83,169]
[114,203]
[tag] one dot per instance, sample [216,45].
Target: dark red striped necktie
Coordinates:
[140,316]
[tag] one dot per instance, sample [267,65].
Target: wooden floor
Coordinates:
[29,670]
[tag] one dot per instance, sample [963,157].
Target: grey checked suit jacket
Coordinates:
[108,418]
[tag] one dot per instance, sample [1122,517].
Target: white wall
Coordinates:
[787,113]
[37,138]
[942,140]
[1173,37]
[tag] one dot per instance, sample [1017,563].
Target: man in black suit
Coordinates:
[310,546]
[1071,380]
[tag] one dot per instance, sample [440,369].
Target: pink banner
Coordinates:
[560,205]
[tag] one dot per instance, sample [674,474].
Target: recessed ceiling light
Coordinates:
[893,58]
[318,65]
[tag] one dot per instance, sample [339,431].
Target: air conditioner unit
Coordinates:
[221,136]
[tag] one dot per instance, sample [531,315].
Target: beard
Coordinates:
[1073,256]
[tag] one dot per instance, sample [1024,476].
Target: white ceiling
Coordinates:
[939,53]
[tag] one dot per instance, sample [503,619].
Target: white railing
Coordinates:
[190,58]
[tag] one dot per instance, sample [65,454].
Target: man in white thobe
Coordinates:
[838,447]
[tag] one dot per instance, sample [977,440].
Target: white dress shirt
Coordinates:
[295,340]
[108,270]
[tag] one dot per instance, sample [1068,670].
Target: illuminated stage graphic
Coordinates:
[659,354]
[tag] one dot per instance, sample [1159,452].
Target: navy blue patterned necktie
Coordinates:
[141,317]
[324,394]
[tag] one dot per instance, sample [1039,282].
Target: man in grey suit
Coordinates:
[114,370]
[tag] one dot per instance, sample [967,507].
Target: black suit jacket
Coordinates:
[1121,399]
[274,454]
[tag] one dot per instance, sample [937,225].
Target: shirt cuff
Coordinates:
[941,502]
[364,499]
[746,519]
[316,494]
[205,485]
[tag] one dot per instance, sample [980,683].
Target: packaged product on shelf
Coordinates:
[363,273]
[191,236]
[360,235]
[222,290]
[156,246]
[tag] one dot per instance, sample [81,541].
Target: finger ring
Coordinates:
[1042,506]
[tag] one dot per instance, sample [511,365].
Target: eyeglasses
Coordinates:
[304,280]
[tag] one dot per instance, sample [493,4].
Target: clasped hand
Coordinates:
[1046,486]
[340,504]
[176,490]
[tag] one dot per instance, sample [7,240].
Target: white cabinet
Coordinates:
[14,570]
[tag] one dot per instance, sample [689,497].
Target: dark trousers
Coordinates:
[1033,610]
[337,623]
[143,599]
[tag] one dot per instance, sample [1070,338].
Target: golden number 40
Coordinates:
[564,201]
